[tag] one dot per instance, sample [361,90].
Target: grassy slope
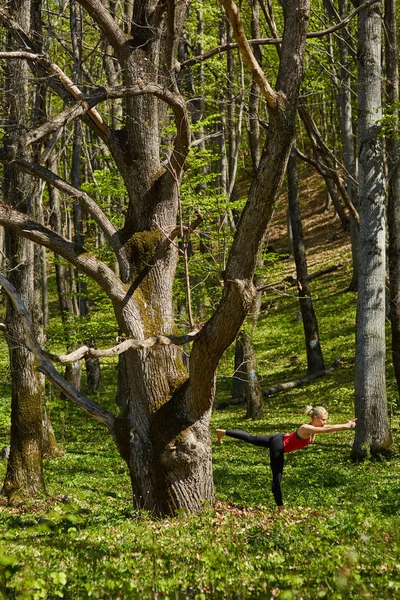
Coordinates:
[338,539]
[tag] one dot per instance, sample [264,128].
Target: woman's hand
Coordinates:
[351,424]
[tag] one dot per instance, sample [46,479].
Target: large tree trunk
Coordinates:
[167,411]
[393,160]
[24,468]
[372,428]
[315,361]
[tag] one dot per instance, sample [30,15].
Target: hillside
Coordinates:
[324,238]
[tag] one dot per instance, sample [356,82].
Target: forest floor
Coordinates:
[339,537]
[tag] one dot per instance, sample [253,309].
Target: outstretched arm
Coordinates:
[306,430]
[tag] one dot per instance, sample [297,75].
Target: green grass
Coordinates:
[338,539]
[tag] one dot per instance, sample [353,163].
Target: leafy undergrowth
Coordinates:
[338,539]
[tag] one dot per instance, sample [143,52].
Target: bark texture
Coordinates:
[24,475]
[372,430]
[393,163]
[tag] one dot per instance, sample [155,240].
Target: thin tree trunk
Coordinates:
[251,385]
[334,198]
[41,302]
[75,370]
[231,118]
[315,361]
[63,278]
[372,429]
[327,166]
[393,160]
[346,127]
[238,374]
[254,396]
[24,474]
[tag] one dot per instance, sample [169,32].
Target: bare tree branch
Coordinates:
[45,366]
[130,344]
[85,104]
[210,136]
[66,116]
[19,55]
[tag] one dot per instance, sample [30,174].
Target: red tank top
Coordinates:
[292,441]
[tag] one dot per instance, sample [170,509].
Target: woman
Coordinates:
[281,443]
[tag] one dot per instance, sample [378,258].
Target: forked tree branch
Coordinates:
[174,100]
[45,366]
[85,104]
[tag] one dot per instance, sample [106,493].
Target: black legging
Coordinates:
[275,445]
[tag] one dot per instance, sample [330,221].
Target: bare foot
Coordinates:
[220,434]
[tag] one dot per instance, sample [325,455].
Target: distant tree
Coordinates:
[315,361]
[345,109]
[163,430]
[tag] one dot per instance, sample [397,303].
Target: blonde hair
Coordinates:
[316,411]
